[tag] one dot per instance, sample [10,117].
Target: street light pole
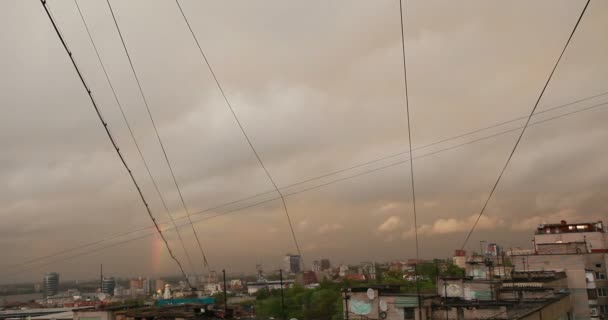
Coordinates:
[225,294]
[282,295]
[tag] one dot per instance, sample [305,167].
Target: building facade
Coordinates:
[581,251]
[107,285]
[51,284]
[325,264]
[292,263]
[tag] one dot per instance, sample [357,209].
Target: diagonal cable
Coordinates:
[141,155]
[521,134]
[160,142]
[236,118]
[369,171]
[409,139]
[109,134]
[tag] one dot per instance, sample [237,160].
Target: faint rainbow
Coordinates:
[157,254]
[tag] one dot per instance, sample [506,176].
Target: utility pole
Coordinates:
[445,298]
[101,278]
[225,294]
[282,294]
[346,297]
[418,290]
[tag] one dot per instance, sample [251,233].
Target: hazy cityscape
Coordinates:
[311,160]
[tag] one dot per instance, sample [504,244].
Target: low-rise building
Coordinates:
[580,250]
[385,302]
[254,287]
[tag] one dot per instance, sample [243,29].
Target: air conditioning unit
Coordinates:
[594,312]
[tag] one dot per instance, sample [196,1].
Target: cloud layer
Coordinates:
[318,86]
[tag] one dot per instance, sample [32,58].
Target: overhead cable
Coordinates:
[160,142]
[521,134]
[409,139]
[139,151]
[236,118]
[210,210]
[112,140]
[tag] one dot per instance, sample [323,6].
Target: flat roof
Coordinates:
[58,316]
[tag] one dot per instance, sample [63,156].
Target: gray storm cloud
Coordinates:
[318,86]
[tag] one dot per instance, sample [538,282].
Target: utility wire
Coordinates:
[409,139]
[290,194]
[114,144]
[141,155]
[521,134]
[236,118]
[160,142]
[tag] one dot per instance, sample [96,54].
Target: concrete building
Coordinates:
[316,266]
[292,263]
[385,302]
[527,295]
[325,264]
[343,270]
[148,286]
[306,278]
[254,287]
[460,258]
[368,269]
[581,251]
[107,285]
[51,284]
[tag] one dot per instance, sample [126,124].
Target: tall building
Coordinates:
[325,265]
[107,285]
[148,285]
[293,263]
[581,251]
[51,284]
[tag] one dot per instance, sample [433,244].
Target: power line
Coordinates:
[409,139]
[160,142]
[141,155]
[409,129]
[293,234]
[109,134]
[526,125]
[293,193]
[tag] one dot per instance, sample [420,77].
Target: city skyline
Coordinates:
[318,91]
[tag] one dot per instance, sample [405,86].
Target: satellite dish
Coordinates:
[383,306]
[371,294]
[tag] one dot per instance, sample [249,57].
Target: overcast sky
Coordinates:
[318,86]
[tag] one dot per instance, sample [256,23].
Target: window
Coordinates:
[603,309]
[602,292]
[408,314]
[598,265]
[600,276]
[591,294]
